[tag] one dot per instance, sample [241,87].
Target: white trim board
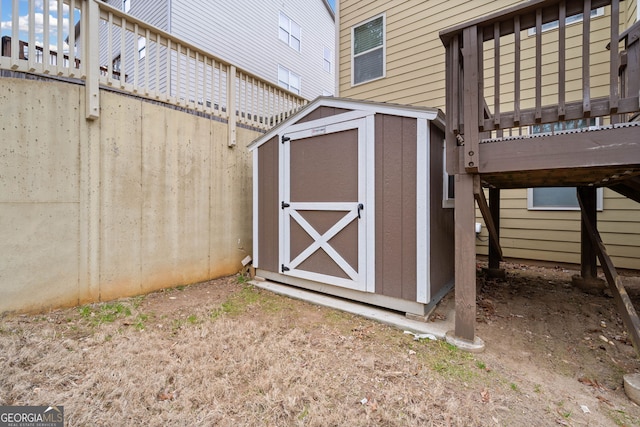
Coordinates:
[423,168]
[433,114]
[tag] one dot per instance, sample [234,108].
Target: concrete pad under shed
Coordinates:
[438,328]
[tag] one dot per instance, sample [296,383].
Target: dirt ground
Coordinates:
[226,353]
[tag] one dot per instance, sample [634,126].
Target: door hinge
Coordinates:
[284,268]
[284,205]
[285,139]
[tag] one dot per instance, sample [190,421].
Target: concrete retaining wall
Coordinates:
[143,198]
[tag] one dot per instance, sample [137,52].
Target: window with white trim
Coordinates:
[568,20]
[559,198]
[142,47]
[328,59]
[289,31]
[368,50]
[126,5]
[288,79]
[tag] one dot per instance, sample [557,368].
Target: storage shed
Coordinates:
[350,198]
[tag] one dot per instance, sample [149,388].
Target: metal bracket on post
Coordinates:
[91,21]
[231,104]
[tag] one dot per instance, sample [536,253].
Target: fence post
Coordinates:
[231,104]
[91,46]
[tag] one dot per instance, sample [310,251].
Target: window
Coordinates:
[289,32]
[368,51]
[558,198]
[142,44]
[288,79]
[126,5]
[569,20]
[328,59]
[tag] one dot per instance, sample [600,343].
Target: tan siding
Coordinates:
[528,234]
[415,76]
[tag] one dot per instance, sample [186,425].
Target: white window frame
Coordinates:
[530,191]
[531,207]
[570,20]
[287,84]
[384,49]
[142,47]
[126,6]
[288,29]
[327,60]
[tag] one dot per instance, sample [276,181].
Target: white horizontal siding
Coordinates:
[245,33]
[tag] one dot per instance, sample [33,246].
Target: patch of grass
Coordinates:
[304,413]
[537,388]
[139,325]
[448,361]
[249,296]
[192,319]
[242,278]
[136,301]
[98,314]
[621,418]
[481,365]
[513,386]
[176,324]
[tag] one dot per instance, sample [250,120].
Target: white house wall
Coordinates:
[245,33]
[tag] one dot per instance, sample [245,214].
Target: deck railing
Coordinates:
[100,44]
[543,61]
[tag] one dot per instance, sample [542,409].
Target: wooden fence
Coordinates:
[99,44]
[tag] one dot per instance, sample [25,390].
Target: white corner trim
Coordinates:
[256,209]
[370,191]
[423,196]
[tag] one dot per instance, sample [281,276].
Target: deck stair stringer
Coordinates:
[625,306]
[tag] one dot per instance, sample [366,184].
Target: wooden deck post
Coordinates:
[588,279]
[465,267]
[465,249]
[588,267]
[494,256]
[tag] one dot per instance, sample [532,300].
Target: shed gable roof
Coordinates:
[433,114]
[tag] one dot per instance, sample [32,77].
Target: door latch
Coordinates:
[284,268]
[360,208]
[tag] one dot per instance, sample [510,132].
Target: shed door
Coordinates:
[325,211]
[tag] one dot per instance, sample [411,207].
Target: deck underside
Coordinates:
[598,157]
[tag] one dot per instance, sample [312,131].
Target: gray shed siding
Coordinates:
[268,205]
[441,227]
[395,169]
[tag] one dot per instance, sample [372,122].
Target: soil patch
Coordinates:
[226,353]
